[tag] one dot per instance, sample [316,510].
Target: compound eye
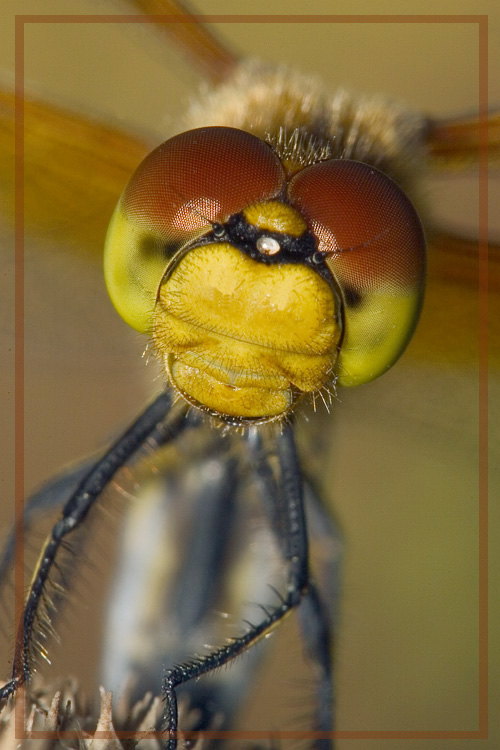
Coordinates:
[208,173]
[376,253]
[177,192]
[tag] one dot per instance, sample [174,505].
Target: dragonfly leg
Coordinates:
[319,614]
[316,613]
[313,615]
[51,496]
[148,426]
[288,514]
[316,632]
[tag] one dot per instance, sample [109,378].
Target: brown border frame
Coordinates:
[482,22]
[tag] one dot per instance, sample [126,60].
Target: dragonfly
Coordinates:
[377,414]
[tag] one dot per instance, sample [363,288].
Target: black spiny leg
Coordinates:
[292,520]
[316,632]
[149,426]
[51,496]
[314,617]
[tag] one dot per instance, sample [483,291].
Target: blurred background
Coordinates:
[402,470]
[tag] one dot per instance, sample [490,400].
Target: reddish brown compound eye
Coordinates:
[208,173]
[195,178]
[376,253]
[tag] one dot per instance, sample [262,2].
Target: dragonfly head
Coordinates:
[262,284]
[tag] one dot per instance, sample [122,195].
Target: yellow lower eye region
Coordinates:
[250,339]
[134,263]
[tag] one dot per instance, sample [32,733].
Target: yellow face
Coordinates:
[264,278]
[251,338]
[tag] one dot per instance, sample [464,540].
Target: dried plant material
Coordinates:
[62,708]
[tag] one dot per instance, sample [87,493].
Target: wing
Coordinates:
[454,144]
[74,171]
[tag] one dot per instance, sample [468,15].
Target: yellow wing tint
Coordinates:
[448,330]
[212,58]
[75,170]
[454,144]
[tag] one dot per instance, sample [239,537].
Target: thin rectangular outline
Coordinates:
[482,21]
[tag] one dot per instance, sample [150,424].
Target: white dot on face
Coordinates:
[268,246]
